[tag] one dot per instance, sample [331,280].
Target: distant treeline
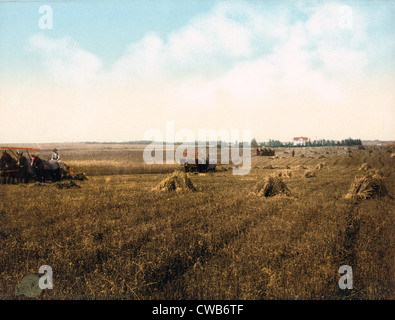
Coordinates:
[314,143]
[271,143]
[124,142]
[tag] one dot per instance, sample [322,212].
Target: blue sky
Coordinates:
[119,68]
[103,27]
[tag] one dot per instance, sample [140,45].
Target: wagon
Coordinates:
[195,166]
[264,151]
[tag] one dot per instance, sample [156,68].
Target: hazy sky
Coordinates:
[110,70]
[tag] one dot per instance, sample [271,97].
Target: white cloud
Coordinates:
[227,39]
[230,64]
[64,60]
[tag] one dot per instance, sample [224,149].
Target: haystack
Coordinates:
[309,174]
[271,186]
[177,181]
[367,187]
[365,167]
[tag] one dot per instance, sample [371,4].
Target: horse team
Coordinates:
[21,169]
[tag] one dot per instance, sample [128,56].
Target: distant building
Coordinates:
[300,141]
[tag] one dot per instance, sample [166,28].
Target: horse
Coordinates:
[25,168]
[9,168]
[46,169]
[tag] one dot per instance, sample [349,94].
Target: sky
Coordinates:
[113,70]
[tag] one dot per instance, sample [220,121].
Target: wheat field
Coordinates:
[116,237]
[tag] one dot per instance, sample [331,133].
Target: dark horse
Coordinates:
[46,169]
[25,168]
[9,168]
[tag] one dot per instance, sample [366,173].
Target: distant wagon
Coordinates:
[264,151]
[195,166]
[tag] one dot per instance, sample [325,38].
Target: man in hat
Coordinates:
[55,155]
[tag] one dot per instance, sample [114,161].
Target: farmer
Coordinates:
[293,153]
[55,155]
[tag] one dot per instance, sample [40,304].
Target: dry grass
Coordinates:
[114,237]
[320,166]
[284,174]
[309,174]
[365,167]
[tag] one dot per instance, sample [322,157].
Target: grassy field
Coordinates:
[115,237]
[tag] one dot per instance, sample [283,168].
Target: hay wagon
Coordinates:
[199,167]
[195,166]
[264,151]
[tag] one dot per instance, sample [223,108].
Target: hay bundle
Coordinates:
[309,174]
[177,181]
[367,187]
[320,166]
[270,187]
[302,155]
[321,157]
[302,167]
[365,167]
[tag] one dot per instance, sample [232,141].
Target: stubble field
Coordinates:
[116,238]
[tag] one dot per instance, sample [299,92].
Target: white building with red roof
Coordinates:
[300,141]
